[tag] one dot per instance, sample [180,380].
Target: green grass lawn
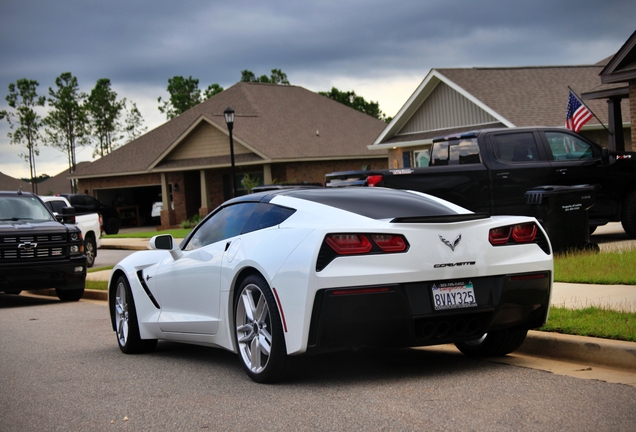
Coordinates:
[608,268]
[594,322]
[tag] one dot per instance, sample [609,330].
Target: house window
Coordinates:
[421,157]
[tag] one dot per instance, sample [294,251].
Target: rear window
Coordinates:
[456,152]
[375,203]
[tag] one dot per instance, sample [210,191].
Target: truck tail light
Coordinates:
[513,234]
[373,180]
[347,244]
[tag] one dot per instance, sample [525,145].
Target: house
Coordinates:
[281,134]
[464,99]
[618,82]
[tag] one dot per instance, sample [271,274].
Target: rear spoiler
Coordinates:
[442,218]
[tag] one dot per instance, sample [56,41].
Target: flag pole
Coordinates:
[588,108]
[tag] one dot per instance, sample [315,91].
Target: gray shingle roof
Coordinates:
[281,122]
[530,96]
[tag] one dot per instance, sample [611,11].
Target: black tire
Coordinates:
[126,323]
[69,295]
[90,250]
[263,333]
[493,344]
[628,216]
[111,226]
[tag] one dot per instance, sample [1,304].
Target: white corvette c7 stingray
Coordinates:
[275,275]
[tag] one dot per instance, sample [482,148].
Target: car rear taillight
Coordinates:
[389,243]
[347,244]
[373,180]
[513,234]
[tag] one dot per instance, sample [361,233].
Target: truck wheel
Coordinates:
[111,226]
[126,323]
[90,250]
[628,216]
[493,344]
[69,295]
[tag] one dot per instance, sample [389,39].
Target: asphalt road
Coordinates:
[110,257]
[61,370]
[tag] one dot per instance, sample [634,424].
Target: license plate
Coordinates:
[453,295]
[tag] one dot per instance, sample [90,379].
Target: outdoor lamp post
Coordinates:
[229,120]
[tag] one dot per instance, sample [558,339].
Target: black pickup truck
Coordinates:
[37,251]
[491,170]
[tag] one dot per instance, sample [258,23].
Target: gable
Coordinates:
[445,108]
[204,141]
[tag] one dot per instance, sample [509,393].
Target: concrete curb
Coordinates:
[600,352]
[88,294]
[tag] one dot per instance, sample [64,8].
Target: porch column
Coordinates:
[205,197]
[167,214]
[616,139]
[267,174]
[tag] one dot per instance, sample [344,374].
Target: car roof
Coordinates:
[375,203]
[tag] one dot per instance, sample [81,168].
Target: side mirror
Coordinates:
[166,242]
[68,215]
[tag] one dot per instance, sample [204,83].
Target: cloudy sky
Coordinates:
[380,49]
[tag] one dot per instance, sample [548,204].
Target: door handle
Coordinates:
[503,174]
[562,170]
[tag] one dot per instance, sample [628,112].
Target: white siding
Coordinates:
[444,109]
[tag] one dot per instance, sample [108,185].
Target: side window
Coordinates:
[568,147]
[227,222]
[267,215]
[516,148]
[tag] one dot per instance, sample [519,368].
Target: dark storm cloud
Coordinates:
[150,41]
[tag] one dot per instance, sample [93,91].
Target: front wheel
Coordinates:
[258,332]
[90,250]
[493,344]
[69,295]
[126,324]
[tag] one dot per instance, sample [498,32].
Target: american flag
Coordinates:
[577,114]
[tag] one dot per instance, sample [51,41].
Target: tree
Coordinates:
[133,124]
[67,122]
[351,99]
[277,77]
[24,99]
[104,111]
[184,94]
[212,90]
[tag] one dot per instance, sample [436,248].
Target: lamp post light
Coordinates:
[229,120]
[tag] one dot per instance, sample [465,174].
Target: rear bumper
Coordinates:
[31,276]
[403,315]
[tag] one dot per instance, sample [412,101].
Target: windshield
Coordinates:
[20,208]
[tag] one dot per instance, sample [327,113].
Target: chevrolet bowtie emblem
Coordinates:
[449,244]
